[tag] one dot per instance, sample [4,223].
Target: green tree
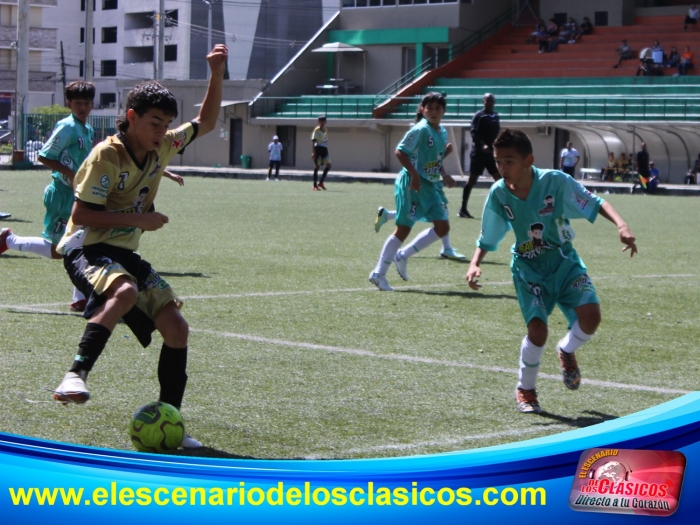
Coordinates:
[51,110]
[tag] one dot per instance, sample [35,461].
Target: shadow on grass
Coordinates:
[593,418]
[28,311]
[184,274]
[207,452]
[452,293]
[14,220]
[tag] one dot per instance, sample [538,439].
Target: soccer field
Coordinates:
[294,354]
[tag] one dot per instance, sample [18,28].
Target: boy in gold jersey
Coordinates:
[115,190]
[319,152]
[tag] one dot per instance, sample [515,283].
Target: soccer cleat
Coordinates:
[322,186]
[315,188]
[4,215]
[570,373]
[401,263]
[190,442]
[267,179]
[450,253]
[78,306]
[382,218]
[464,214]
[380,282]
[277,179]
[3,239]
[527,401]
[71,389]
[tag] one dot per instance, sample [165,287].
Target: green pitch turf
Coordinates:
[293,354]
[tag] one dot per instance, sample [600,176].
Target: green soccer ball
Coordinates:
[156,427]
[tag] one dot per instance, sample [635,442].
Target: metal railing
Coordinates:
[475,38]
[354,106]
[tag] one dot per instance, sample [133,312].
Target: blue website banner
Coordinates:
[523,482]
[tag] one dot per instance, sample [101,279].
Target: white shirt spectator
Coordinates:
[569,157]
[694,12]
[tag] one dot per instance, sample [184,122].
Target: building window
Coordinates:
[170,54]
[82,35]
[171,18]
[109,4]
[142,20]
[81,70]
[82,5]
[109,68]
[108,100]
[138,55]
[392,3]
[109,35]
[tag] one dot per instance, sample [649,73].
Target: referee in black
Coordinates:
[485,128]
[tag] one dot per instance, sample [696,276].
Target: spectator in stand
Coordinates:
[552,27]
[645,62]
[692,17]
[692,176]
[568,32]
[624,52]
[686,62]
[653,181]
[540,31]
[608,173]
[673,59]
[657,57]
[586,27]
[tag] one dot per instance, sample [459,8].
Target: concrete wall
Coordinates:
[578,9]
[400,16]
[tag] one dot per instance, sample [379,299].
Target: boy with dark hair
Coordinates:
[64,152]
[115,190]
[537,205]
[319,152]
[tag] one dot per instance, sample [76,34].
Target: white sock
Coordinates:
[386,258]
[446,242]
[574,339]
[36,245]
[422,241]
[390,214]
[77,295]
[529,364]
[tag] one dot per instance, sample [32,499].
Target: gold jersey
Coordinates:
[110,177]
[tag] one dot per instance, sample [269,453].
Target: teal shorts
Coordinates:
[555,280]
[58,200]
[428,204]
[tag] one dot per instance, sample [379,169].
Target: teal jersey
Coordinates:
[425,146]
[540,222]
[70,144]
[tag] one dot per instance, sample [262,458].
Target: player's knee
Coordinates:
[442,228]
[537,332]
[126,294]
[589,318]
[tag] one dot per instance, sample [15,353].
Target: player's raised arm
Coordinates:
[211,106]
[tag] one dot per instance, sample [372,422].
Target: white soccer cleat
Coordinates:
[380,282]
[190,442]
[381,220]
[450,253]
[72,389]
[401,263]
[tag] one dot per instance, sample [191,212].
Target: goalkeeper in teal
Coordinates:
[64,152]
[537,205]
[417,190]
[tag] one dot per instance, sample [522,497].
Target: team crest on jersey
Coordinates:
[535,290]
[548,206]
[180,142]
[66,160]
[104,181]
[582,203]
[536,245]
[156,169]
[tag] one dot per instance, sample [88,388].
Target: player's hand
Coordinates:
[152,221]
[415,183]
[217,59]
[473,274]
[449,180]
[627,238]
[448,149]
[177,178]
[313,156]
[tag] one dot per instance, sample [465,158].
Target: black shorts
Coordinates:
[571,170]
[480,161]
[275,164]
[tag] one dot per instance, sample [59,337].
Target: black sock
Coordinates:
[91,345]
[325,172]
[316,177]
[172,375]
[465,197]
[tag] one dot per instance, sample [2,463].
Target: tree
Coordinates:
[51,110]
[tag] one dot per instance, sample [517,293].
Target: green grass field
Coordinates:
[293,354]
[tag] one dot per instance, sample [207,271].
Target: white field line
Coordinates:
[451,441]
[428,361]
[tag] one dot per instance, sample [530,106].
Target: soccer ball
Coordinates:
[156,427]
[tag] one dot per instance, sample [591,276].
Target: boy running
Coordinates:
[537,205]
[115,190]
[64,152]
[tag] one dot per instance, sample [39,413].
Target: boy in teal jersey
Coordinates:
[64,152]
[417,190]
[537,205]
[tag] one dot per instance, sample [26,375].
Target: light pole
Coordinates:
[209,4]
